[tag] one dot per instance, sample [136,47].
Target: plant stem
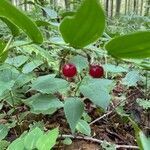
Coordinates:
[12,99]
[146,86]
[25,44]
[62,61]
[78,86]
[106,62]
[14,107]
[7,45]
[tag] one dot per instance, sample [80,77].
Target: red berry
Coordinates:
[69,70]
[96,71]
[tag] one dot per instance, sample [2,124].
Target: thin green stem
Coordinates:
[25,44]
[7,45]
[14,107]
[146,85]
[106,62]
[12,99]
[78,86]
[107,36]
[62,61]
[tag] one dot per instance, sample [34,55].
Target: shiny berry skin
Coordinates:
[69,70]
[96,71]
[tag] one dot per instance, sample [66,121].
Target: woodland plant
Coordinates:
[43,71]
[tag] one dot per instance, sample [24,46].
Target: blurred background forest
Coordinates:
[123,16]
[112,7]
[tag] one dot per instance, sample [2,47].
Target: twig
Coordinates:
[96,141]
[105,115]
[81,137]
[127,146]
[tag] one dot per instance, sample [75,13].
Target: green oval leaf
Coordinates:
[32,137]
[48,84]
[29,67]
[73,109]
[67,141]
[97,90]
[86,26]
[84,127]
[3,131]
[131,78]
[17,145]
[144,141]
[135,45]
[47,141]
[45,104]
[20,20]
[17,61]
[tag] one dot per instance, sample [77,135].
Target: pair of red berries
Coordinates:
[70,70]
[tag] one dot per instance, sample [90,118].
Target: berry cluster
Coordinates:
[69,70]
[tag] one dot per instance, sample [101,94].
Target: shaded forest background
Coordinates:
[112,7]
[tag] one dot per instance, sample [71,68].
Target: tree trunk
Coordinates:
[134,6]
[112,7]
[25,5]
[67,4]
[107,7]
[126,5]
[141,9]
[42,2]
[118,5]
[130,4]
[147,8]
[137,7]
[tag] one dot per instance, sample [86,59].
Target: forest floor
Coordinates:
[110,127]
